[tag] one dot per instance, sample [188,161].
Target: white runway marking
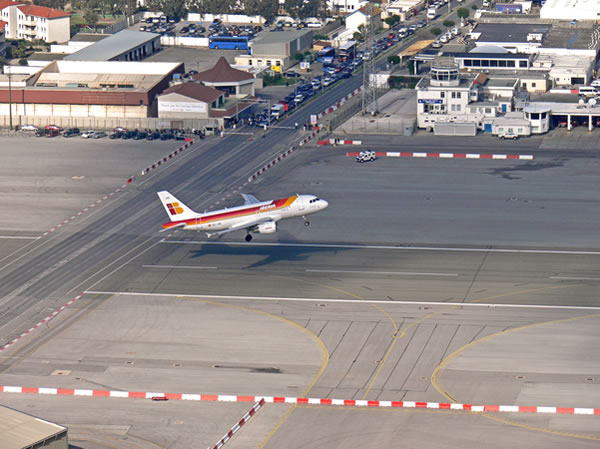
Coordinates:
[390,247]
[16,237]
[399,273]
[569,278]
[187,267]
[345,301]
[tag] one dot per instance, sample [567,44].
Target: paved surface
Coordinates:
[444,238]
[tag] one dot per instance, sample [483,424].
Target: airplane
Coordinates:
[254,216]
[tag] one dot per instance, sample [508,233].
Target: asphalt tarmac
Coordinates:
[427,280]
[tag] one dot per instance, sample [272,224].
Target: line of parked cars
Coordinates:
[118,133]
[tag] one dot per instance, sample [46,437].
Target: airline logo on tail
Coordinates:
[174,208]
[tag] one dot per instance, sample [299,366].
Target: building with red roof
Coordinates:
[224,77]
[31,22]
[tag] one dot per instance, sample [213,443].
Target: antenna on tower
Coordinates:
[369,91]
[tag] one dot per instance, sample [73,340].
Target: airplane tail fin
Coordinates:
[176,210]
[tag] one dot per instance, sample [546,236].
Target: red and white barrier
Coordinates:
[309,137]
[44,321]
[239,425]
[187,144]
[339,142]
[303,401]
[270,164]
[336,106]
[521,157]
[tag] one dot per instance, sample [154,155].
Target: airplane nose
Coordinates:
[324,204]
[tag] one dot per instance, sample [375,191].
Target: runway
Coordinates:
[424,281]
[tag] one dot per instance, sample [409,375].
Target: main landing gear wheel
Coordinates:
[248,237]
[307,223]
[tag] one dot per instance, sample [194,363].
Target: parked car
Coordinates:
[140,135]
[436,44]
[52,133]
[99,135]
[29,128]
[116,135]
[87,134]
[71,132]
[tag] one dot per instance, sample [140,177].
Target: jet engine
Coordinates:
[268,227]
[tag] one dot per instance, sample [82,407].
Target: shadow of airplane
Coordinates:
[286,249]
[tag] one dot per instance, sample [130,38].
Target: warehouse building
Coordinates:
[276,50]
[22,431]
[85,93]
[126,45]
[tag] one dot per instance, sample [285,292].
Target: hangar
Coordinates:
[126,45]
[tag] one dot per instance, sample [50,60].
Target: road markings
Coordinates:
[572,278]
[186,267]
[16,237]
[386,247]
[399,273]
[335,300]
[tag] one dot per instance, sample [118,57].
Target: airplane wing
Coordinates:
[249,199]
[244,225]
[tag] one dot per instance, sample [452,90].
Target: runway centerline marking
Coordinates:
[400,273]
[388,247]
[186,267]
[336,300]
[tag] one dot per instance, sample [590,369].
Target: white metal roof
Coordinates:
[18,429]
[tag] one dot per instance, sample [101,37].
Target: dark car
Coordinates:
[71,132]
[116,135]
[166,136]
[140,135]
[129,135]
[153,136]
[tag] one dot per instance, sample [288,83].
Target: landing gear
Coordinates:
[248,237]
[306,222]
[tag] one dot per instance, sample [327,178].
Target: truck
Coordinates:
[277,111]
[432,12]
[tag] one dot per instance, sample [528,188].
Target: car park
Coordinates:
[116,135]
[140,135]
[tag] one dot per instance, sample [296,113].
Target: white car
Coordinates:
[366,156]
[88,134]
[29,128]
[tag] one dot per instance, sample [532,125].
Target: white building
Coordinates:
[402,8]
[447,97]
[570,10]
[344,6]
[31,22]
[361,17]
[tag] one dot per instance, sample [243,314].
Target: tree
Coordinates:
[299,57]
[392,20]
[22,61]
[293,7]
[462,13]
[56,4]
[435,31]
[176,8]
[90,16]
[357,37]
[394,59]
[448,23]
[474,7]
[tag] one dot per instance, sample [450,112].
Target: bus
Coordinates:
[347,51]
[326,56]
[228,42]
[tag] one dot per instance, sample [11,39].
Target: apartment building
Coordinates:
[33,22]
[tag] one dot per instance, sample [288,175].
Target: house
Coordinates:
[361,17]
[33,22]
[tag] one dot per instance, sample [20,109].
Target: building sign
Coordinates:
[179,106]
[430,101]
[305,65]
[313,119]
[276,68]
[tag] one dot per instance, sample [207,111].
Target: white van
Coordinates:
[595,83]
[588,91]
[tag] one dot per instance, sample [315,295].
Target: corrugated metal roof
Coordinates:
[112,46]
[279,37]
[18,429]
[98,80]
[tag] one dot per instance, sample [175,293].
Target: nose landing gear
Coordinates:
[248,237]
[306,222]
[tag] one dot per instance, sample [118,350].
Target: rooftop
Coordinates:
[222,72]
[19,429]
[505,32]
[196,91]
[88,37]
[276,37]
[112,46]
[7,3]
[42,11]
[501,82]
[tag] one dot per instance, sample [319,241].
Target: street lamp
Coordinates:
[10,100]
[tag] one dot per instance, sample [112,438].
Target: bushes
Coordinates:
[448,23]
[435,31]
[394,59]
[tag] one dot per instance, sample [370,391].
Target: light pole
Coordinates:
[10,100]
